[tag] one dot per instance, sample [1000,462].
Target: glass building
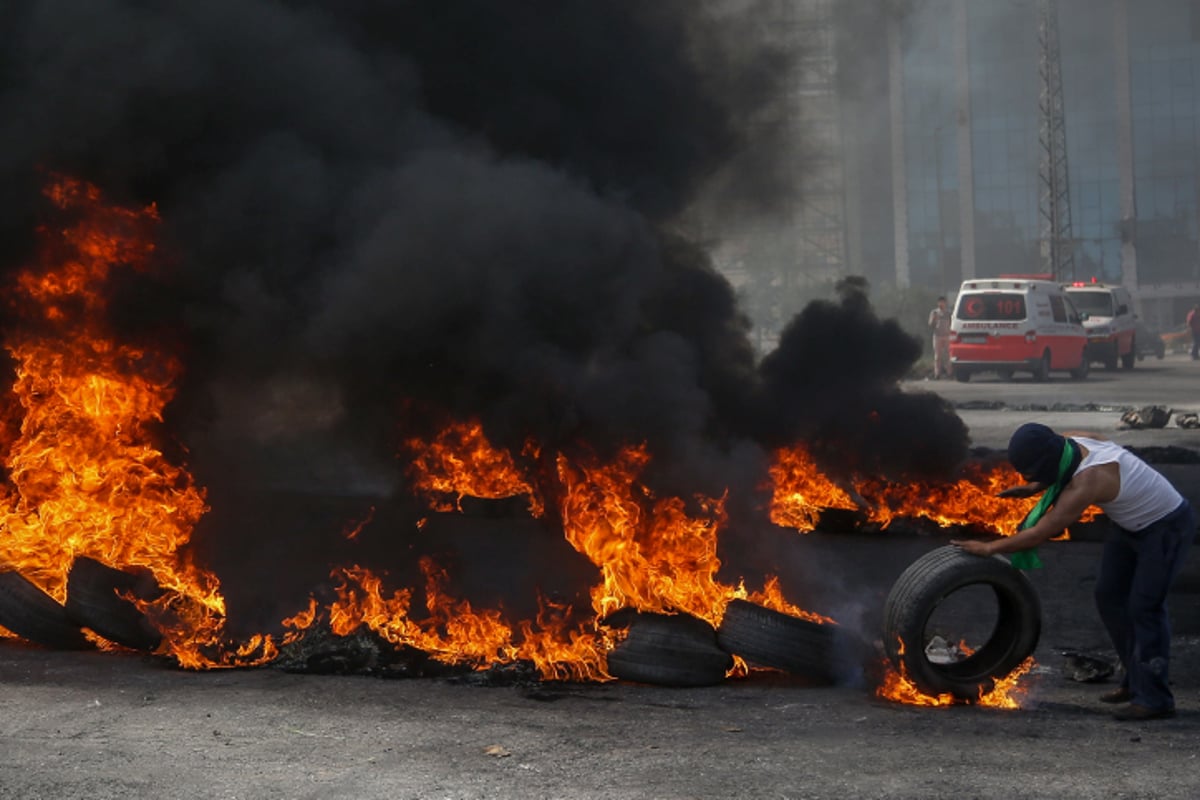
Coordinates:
[920,150]
[967,132]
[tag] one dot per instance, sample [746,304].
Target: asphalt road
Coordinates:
[993,408]
[106,725]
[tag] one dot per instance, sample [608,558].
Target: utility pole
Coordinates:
[1054,199]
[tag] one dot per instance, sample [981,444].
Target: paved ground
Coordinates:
[95,725]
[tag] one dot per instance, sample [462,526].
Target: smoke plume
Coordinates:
[381,216]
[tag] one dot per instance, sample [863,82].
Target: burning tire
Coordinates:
[668,650]
[94,601]
[924,586]
[34,615]
[771,638]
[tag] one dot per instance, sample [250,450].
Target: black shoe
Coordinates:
[1136,713]
[1117,695]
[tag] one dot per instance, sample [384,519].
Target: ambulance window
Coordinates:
[992,306]
[1096,302]
[1059,308]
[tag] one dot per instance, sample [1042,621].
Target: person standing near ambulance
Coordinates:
[1153,529]
[939,324]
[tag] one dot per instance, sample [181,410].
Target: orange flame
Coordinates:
[85,476]
[801,492]
[899,688]
[461,462]
[451,631]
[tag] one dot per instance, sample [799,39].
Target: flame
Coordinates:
[461,462]
[85,477]
[897,687]
[451,631]
[801,492]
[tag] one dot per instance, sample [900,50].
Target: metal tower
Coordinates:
[1054,199]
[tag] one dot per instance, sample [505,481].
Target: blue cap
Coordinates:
[1035,451]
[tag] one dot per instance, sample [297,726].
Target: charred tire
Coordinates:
[1085,365]
[93,601]
[771,638]
[669,650]
[32,614]
[930,580]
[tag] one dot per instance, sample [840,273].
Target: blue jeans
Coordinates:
[1131,594]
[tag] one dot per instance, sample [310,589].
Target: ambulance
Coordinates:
[1109,321]
[1016,323]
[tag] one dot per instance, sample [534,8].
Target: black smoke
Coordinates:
[381,216]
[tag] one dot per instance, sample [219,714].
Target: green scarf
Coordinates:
[1028,559]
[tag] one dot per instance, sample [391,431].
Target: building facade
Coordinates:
[968,166]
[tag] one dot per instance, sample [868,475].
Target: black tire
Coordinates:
[32,614]
[769,638]
[1041,372]
[669,650]
[929,581]
[1130,358]
[962,375]
[93,602]
[1085,366]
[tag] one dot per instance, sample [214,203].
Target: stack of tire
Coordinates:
[96,601]
[683,650]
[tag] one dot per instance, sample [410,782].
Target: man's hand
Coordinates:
[1026,490]
[973,547]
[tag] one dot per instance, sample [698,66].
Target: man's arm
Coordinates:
[1087,488]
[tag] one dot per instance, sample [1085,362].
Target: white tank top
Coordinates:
[1145,495]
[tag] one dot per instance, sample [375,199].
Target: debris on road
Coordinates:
[1086,669]
[1146,417]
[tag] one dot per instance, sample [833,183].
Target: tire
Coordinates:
[1085,366]
[669,650]
[929,581]
[1128,359]
[1041,373]
[32,614]
[93,602]
[962,375]
[769,638]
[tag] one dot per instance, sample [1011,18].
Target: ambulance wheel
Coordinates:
[1042,371]
[1081,372]
[1129,358]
